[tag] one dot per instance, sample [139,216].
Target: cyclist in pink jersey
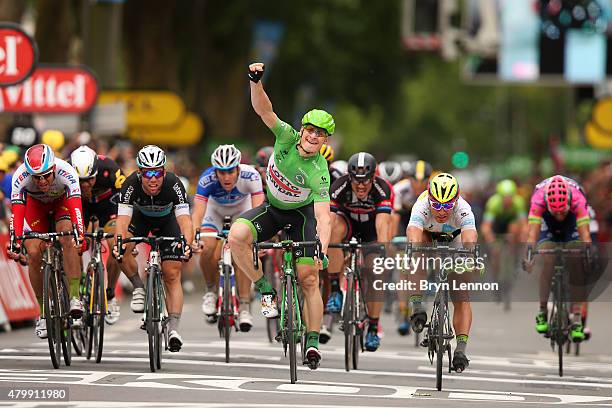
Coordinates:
[558,214]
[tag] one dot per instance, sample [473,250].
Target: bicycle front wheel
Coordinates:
[227,310]
[51,313]
[439,336]
[291,328]
[152,319]
[348,322]
[100,311]
[65,319]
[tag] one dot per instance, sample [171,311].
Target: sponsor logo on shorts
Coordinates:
[257,226]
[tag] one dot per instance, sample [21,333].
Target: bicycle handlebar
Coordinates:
[286,245]
[442,248]
[151,241]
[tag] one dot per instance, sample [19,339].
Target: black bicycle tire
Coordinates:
[271,324]
[149,319]
[440,349]
[49,289]
[65,319]
[347,324]
[89,325]
[560,326]
[290,329]
[160,329]
[357,339]
[100,313]
[226,310]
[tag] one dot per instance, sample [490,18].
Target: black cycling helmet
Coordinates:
[362,165]
[263,156]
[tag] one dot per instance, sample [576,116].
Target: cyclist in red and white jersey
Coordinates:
[45,185]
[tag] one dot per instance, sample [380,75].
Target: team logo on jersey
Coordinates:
[299,178]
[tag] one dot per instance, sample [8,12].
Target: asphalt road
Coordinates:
[510,365]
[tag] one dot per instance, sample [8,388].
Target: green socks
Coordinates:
[74,285]
[312,339]
[461,342]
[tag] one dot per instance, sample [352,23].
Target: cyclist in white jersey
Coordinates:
[441,214]
[228,188]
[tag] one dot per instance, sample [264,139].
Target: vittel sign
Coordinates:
[18,54]
[52,89]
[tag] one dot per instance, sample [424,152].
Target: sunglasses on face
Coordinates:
[438,206]
[149,174]
[315,131]
[41,177]
[365,181]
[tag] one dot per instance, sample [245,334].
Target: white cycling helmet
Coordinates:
[340,165]
[225,157]
[151,156]
[85,162]
[390,171]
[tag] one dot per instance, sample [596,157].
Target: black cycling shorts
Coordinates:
[363,231]
[105,211]
[265,221]
[142,225]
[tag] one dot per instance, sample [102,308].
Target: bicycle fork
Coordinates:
[226,260]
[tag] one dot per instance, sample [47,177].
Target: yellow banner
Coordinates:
[597,138]
[187,132]
[147,108]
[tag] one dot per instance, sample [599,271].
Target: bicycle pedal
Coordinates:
[424,343]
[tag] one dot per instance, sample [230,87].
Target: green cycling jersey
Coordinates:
[294,181]
[495,210]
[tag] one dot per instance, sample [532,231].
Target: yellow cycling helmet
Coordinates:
[4,165]
[327,152]
[54,139]
[9,156]
[443,188]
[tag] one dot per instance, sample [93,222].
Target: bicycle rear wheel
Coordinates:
[291,329]
[227,310]
[51,312]
[439,336]
[348,322]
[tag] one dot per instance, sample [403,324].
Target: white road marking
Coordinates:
[451,377]
[487,397]
[234,384]
[327,389]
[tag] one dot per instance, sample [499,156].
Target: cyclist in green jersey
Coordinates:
[503,228]
[298,194]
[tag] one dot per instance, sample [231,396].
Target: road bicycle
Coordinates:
[440,332]
[559,324]
[155,313]
[292,326]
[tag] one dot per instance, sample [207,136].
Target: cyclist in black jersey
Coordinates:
[101,179]
[154,201]
[362,204]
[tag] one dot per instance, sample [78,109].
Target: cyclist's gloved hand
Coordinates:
[187,252]
[13,251]
[324,260]
[116,253]
[528,265]
[256,71]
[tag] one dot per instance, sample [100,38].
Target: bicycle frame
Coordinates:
[559,319]
[440,330]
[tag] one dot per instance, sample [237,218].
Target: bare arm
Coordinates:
[383,227]
[533,231]
[197,212]
[584,233]
[123,222]
[257,200]
[414,234]
[323,216]
[184,222]
[487,231]
[260,101]
[469,236]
